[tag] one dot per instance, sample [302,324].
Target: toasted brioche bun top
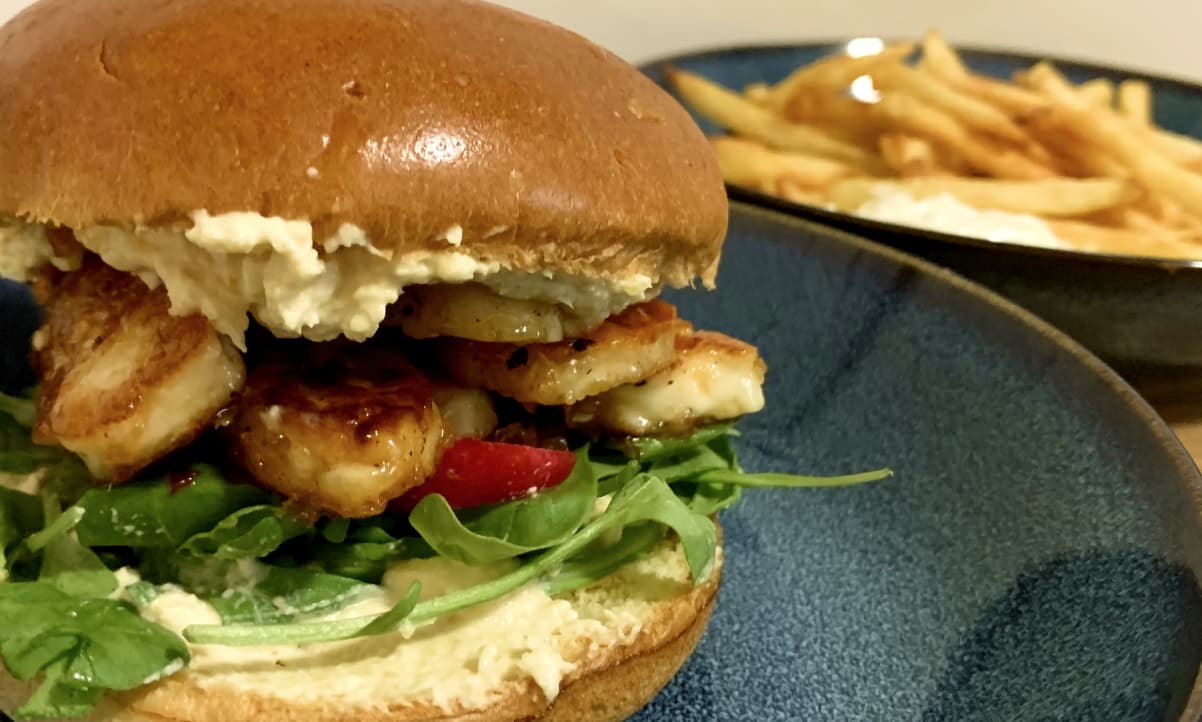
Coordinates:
[402,117]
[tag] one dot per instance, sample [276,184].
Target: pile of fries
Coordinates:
[1086,158]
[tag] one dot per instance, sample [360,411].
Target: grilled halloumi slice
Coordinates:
[342,435]
[627,347]
[713,378]
[123,381]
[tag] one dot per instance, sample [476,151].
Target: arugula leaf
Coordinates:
[20,410]
[504,531]
[18,453]
[644,499]
[335,530]
[82,646]
[708,498]
[651,448]
[148,513]
[75,569]
[588,568]
[56,697]
[687,465]
[249,533]
[739,478]
[390,620]
[20,516]
[253,593]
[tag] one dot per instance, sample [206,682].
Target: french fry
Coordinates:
[834,72]
[796,193]
[941,59]
[1098,91]
[965,108]
[744,162]
[1052,197]
[757,92]
[910,156]
[909,114]
[733,112]
[1135,101]
[1155,170]
[1089,159]
[1121,241]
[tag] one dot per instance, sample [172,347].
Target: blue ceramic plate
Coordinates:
[1139,314]
[1034,558]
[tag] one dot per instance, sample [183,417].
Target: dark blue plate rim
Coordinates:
[654,67]
[1187,468]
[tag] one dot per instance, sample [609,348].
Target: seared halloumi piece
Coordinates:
[123,381]
[626,348]
[714,378]
[343,435]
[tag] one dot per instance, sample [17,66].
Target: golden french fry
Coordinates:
[834,72]
[941,59]
[1182,149]
[1011,99]
[1159,173]
[824,109]
[746,162]
[1059,197]
[1099,91]
[907,113]
[1121,241]
[1135,101]
[733,112]
[796,193]
[967,109]
[757,92]
[910,156]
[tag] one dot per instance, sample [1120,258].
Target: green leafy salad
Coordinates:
[67,621]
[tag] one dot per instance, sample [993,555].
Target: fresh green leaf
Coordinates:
[81,645]
[708,499]
[18,453]
[20,410]
[57,698]
[617,480]
[389,621]
[63,524]
[687,465]
[20,514]
[75,569]
[249,533]
[148,513]
[588,568]
[651,448]
[512,529]
[253,593]
[365,561]
[790,480]
[335,530]
[644,499]
[647,498]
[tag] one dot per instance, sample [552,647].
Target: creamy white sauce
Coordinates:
[465,660]
[230,265]
[24,249]
[946,214]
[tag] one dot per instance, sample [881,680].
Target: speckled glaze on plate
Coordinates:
[1035,557]
[1139,314]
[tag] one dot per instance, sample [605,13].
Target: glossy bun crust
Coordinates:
[404,117]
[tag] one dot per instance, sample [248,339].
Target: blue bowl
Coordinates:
[1035,557]
[1139,314]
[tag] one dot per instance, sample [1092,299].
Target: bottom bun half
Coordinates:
[607,681]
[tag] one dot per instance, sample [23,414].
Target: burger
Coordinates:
[356,399]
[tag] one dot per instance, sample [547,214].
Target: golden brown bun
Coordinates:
[608,685]
[403,117]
